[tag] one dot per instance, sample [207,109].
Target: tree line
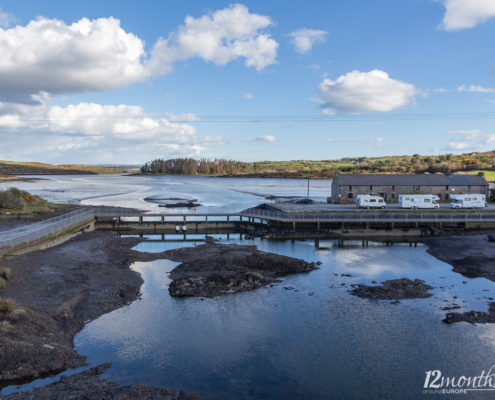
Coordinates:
[325,168]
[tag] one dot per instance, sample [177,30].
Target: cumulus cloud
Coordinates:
[356,92]
[50,56]
[463,14]
[470,140]
[219,37]
[5,19]
[90,131]
[47,55]
[303,39]
[475,89]
[264,139]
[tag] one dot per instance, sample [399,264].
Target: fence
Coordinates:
[371,216]
[44,228]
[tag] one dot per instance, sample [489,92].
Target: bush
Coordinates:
[10,200]
[3,284]
[6,273]
[7,305]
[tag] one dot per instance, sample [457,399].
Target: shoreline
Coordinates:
[61,289]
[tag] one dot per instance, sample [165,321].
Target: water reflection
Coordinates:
[278,344]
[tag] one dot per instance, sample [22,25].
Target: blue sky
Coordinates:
[126,82]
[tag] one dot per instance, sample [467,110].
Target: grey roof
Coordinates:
[410,180]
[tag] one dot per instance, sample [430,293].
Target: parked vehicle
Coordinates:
[418,201]
[468,201]
[369,201]
[305,201]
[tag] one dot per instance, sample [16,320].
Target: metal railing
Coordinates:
[44,228]
[374,216]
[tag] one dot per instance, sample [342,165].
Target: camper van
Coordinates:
[468,201]
[369,201]
[418,201]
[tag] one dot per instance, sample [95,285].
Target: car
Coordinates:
[305,201]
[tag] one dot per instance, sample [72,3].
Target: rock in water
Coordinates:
[216,269]
[395,289]
[473,317]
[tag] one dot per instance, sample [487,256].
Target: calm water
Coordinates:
[215,194]
[274,343]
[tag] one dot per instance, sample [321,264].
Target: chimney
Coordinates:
[481,173]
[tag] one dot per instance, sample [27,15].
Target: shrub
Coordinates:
[3,284]
[6,273]
[9,200]
[7,305]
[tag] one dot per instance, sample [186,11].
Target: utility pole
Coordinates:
[309,175]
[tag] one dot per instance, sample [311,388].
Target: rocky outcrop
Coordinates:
[215,269]
[395,289]
[473,317]
[89,385]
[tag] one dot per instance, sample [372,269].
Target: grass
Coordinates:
[489,175]
[7,305]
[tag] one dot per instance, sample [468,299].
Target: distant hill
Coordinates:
[463,163]
[35,168]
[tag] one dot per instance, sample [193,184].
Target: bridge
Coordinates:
[318,221]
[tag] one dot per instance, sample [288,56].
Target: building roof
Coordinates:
[410,180]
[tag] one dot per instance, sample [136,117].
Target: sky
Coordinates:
[125,82]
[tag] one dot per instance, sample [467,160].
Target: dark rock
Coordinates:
[491,238]
[452,307]
[214,269]
[88,385]
[473,317]
[395,289]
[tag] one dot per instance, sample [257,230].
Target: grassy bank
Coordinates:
[20,202]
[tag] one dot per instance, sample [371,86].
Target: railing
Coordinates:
[44,228]
[371,216]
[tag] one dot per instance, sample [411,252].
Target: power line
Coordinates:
[255,118]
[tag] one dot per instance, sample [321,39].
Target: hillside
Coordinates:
[35,168]
[465,163]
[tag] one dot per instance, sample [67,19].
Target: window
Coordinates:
[469,188]
[393,187]
[417,187]
[446,196]
[393,195]
[350,187]
[447,187]
[350,195]
[427,200]
[372,200]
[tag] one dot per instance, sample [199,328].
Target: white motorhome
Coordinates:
[468,201]
[418,201]
[369,201]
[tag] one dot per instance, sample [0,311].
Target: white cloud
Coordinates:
[50,56]
[264,139]
[89,132]
[47,55]
[470,140]
[122,121]
[356,92]
[475,89]
[304,39]
[220,37]
[247,95]
[463,14]
[5,19]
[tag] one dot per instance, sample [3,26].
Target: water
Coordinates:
[215,194]
[274,343]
